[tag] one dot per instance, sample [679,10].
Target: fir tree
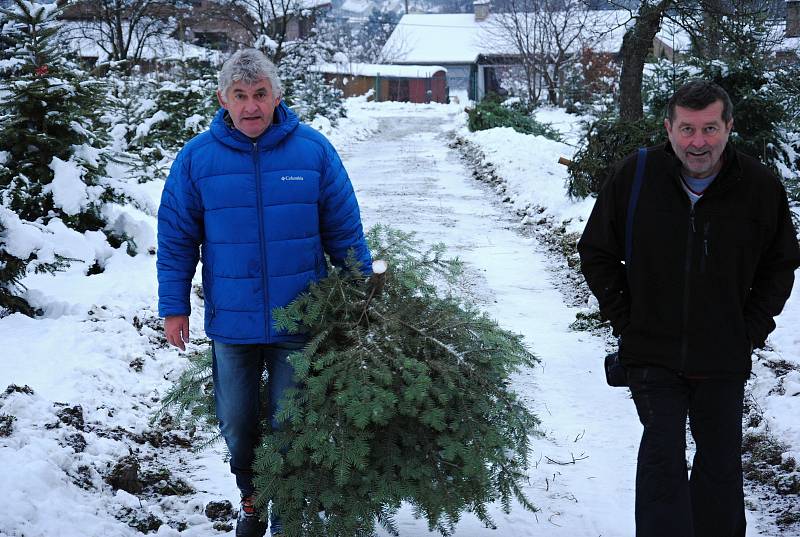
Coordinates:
[12,269]
[372,36]
[763,92]
[47,120]
[307,92]
[180,108]
[406,397]
[52,157]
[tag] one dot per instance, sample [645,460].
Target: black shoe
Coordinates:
[248,524]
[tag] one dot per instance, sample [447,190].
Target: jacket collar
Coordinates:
[283,123]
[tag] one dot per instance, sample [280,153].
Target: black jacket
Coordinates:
[705,283]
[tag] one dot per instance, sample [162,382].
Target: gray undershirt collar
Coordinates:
[695,187]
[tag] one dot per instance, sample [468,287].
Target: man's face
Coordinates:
[250,105]
[698,138]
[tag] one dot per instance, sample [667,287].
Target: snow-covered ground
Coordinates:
[99,346]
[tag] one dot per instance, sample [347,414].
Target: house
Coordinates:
[475,47]
[406,83]
[202,24]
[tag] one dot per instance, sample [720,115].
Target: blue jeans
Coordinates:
[711,502]
[237,372]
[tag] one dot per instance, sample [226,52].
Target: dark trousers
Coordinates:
[710,503]
[237,371]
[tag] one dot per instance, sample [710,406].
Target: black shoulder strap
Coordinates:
[641,159]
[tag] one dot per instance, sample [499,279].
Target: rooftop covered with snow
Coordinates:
[460,38]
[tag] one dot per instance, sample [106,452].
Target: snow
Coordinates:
[20,238]
[69,190]
[362,8]
[517,155]
[194,122]
[94,328]
[143,129]
[674,36]
[377,69]
[356,6]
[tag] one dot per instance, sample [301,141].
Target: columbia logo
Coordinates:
[292,178]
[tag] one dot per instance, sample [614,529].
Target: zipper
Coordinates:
[261,239]
[687,279]
[706,247]
[207,290]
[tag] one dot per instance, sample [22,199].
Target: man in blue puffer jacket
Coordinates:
[262,197]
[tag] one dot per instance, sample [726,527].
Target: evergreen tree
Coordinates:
[127,102]
[12,269]
[306,92]
[52,157]
[763,92]
[374,34]
[406,397]
[5,44]
[181,107]
[741,60]
[48,126]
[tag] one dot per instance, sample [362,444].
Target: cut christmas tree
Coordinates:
[406,397]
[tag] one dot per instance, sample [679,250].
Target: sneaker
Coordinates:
[248,524]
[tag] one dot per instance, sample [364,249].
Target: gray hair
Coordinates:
[249,65]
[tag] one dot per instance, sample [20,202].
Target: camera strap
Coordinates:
[641,160]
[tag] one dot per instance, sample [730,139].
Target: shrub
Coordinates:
[608,141]
[491,113]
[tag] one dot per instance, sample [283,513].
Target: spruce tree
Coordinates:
[52,158]
[12,270]
[180,107]
[47,126]
[406,397]
[374,34]
[308,93]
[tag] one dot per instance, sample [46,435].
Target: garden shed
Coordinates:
[406,83]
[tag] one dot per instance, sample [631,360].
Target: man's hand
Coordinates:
[176,327]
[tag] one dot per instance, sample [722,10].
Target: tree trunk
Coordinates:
[635,47]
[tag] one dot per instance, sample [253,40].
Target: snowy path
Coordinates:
[407,177]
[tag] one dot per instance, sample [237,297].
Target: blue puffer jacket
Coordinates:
[263,214]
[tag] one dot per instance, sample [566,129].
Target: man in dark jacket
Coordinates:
[263,197]
[712,262]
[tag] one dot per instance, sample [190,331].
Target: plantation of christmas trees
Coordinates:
[406,397]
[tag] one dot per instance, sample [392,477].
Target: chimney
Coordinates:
[482,9]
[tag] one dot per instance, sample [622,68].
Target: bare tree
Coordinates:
[519,30]
[565,35]
[122,29]
[270,24]
[548,36]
